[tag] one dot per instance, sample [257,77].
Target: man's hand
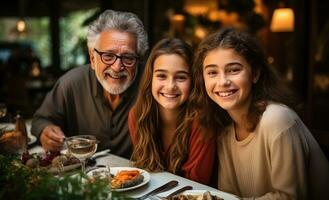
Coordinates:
[52,138]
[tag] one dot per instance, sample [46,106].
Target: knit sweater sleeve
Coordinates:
[288,174]
[279,160]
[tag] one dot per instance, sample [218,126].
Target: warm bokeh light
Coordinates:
[283,20]
[200,32]
[197,7]
[178,18]
[35,72]
[177,22]
[21,26]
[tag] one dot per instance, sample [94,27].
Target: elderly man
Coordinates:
[96,99]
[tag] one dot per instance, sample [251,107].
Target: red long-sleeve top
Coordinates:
[201,153]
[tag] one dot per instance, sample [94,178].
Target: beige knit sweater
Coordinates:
[279,160]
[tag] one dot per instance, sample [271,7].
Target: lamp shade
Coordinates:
[283,20]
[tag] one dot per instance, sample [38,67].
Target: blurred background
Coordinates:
[42,39]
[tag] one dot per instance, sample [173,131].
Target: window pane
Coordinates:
[73,48]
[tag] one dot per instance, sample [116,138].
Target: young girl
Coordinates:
[163,137]
[265,151]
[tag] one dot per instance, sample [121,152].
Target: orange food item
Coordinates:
[127,174]
[11,141]
[126,178]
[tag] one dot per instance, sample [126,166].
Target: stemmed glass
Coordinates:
[82,147]
[3,110]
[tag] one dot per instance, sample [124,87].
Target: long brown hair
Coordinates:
[268,87]
[147,150]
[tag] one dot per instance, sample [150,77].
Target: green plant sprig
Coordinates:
[18,181]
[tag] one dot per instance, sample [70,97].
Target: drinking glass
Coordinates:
[82,147]
[108,166]
[109,178]
[3,110]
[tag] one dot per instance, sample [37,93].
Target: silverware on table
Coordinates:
[179,191]
[163,188]
[92,160]
[102,153]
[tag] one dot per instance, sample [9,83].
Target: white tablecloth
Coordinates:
[157,179]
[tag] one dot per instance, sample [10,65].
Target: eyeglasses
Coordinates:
[108,58]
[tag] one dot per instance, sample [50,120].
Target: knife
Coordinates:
[92,160]
[163,188]
[180,191]
[99,154]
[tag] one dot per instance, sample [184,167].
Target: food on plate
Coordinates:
[9,135]
[204,196]
[126,178]
[48,160]
[11,141]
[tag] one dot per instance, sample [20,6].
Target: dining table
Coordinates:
[156,179]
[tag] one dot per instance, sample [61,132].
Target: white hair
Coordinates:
[123,21]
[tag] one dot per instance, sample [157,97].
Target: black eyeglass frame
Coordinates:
[101,53]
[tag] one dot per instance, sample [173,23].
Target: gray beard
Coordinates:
[117,89]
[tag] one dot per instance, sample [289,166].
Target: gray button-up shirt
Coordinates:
[77,104]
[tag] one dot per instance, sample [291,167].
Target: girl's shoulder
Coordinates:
[277,117]
[132,111]
[276,112]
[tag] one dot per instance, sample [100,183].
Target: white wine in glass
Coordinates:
[82,147]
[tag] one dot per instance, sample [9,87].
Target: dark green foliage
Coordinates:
[20,182]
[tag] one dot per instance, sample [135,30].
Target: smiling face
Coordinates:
[114,78]
[171,81]
[228,79]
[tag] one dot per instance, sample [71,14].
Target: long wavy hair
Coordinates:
[268,87]
[147,150]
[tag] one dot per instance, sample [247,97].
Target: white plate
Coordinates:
[7,126]
[115,170]
[32,140]
[224,195]
[11,126]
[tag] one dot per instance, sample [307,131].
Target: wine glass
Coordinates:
[82,147]
[3,110]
